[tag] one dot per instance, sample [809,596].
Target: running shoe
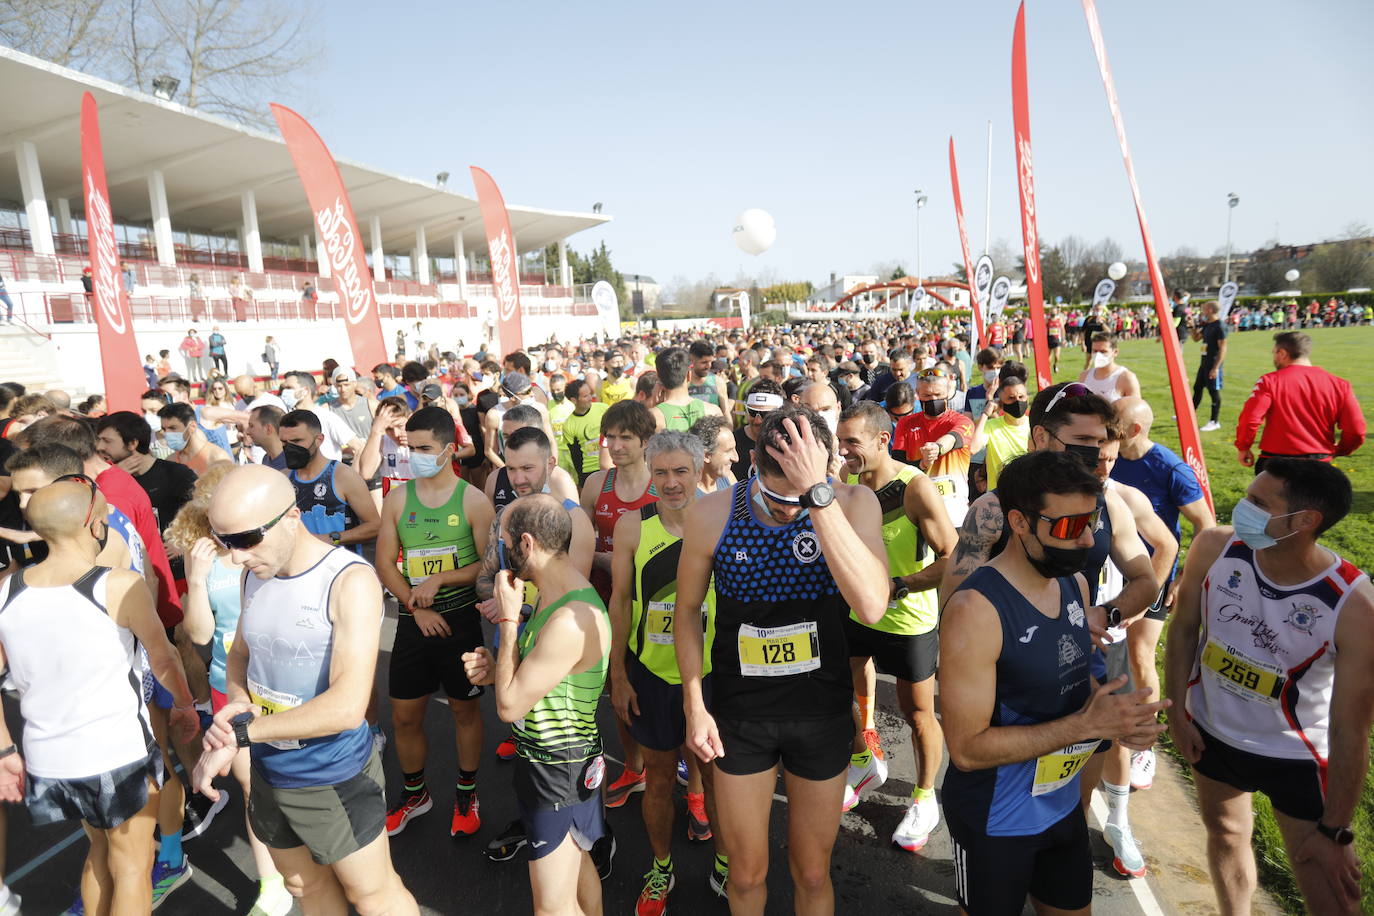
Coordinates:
[10,902]
[506,749]
[851,798]
[618,792]
[1142,769]
[273,900]
[200,811]
[698,824]
[1127,860]
[167,878]
[682,775]
[720,880]
[603,853]
[1211,427]
[378,740]
[917,824]
[653,900]
[867,769]
[78,907]
[406,810]
[508,842]
[466,820]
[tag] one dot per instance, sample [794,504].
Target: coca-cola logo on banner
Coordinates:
[1032,236]
[1001,289]
[105,283]
[501,269]
[336,234]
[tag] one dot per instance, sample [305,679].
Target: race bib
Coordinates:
[269,702]
[423,562]
[779,651]
[1054,770]
[658,622]
[1241,676]
[946,486]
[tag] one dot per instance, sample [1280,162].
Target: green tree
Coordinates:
[898,272]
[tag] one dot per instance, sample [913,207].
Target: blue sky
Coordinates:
[829,115]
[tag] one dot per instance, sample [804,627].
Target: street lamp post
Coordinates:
[920,202]
[1231,201]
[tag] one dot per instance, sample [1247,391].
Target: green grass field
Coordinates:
[1346,352]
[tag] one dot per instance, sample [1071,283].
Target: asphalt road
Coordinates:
[448,877]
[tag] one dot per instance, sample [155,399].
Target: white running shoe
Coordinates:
[1211,427]
[1127,860]
[851,798]
[917,824]
[1142,769]
[870,775]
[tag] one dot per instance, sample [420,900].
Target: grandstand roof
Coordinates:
[207,162]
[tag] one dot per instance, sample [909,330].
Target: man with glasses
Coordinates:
[765,396]
[936,439]
[299,674]
[1022,713]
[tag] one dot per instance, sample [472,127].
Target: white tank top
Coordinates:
[1267,656]
[1106,387]
[79,683]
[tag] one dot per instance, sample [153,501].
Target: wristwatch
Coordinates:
[1113,615]
[899,589]
[1341,836]
[12,749]
[818,497]
[240,724]
[335,537]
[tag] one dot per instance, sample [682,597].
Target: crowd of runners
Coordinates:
[726,537]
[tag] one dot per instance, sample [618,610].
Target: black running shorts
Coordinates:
[1293,786]
[993,875]
[421,664]
[907,658]
[816,749]
[661,724]
[331,821]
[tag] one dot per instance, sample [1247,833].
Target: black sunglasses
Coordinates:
[246,540]
[88,482]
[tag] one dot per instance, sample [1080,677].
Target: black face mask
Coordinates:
[1058,562]
[1088,454]
[870,358]
[934,408]
[614,371]
[296,456]
[1018,409]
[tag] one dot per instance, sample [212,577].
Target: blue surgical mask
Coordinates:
[424,465]
[289,398]
[1251,522]
[175,441]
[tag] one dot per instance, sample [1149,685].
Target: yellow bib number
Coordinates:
[1243,677]
[1053,771]
[270,702]
[658,623]
[945,486]
[423,562]
[778,651]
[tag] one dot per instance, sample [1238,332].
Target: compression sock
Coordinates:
[414,783]
[1117,799]
[861,758]
[664,864]
[169,849]
[865,711]
[467,782]
[920,795]
[722,864]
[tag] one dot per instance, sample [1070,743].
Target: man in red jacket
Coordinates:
[1300,406]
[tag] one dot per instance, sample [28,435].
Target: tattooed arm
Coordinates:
[486,576]
[981,529]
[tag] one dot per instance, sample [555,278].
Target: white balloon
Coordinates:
[1291,276]
[754,231]
[1116,271]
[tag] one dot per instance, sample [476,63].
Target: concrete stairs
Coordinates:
[29,357]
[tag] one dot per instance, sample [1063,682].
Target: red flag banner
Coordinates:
[1025,173]
[505,278]
[1190,440]
[119,361]
[963,243]
[340,241]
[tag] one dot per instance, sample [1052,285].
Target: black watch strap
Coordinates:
[240,724]
[1341,836]
[9,751]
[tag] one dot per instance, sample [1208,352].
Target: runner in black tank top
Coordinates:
[791,554]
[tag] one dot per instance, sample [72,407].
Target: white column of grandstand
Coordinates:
[321,256]
[460,264]
[421,255]
[35,204]
[378,257]
[305,247]
[162,219]
[252,238]
[564,277]
[64,215]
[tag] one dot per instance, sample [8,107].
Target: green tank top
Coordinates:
[705,390]
[655,596]
[561,727]
[738,409]
[559,411]
[435,540]
[681,417]
[907,553]
[582,438]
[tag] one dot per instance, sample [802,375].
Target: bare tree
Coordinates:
[230,55]
[1342,265]
[1075,258]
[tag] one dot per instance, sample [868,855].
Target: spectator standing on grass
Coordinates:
[1300,406]
[1212,334]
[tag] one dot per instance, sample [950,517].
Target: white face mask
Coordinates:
[831,418]
[1101,360]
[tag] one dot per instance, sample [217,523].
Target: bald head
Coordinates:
[60,510]
[245,387]
[248,497]
[820,397]
[1133,412]
[60,399]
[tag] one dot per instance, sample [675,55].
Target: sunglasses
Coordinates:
[755,412]
[1071,390]
[1069,527]
[932,372]
[88,482]
[246,540]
